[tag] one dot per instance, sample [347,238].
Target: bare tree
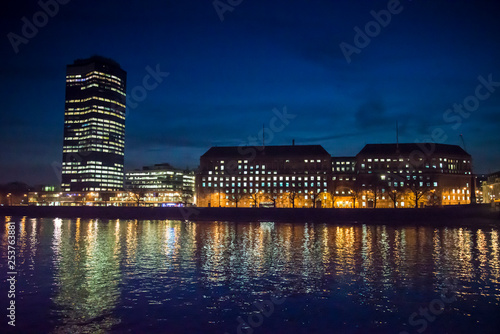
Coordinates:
[393,196]
[375,187]
[255,198]
[314,197]
[105,197]
[185,198]
[236,198]
[137,196]
[292,195]
[418,190]
[274,197]
[355,191]
[333,188]
[435,198]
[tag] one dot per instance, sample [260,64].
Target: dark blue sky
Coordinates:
[226,77]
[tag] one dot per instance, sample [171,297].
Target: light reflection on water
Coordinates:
[93,276]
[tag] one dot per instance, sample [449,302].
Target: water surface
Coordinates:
[99,276]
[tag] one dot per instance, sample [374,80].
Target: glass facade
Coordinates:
[94,126]
[161,177]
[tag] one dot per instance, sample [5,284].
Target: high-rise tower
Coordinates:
[94,125]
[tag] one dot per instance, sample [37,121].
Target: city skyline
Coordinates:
[213,77]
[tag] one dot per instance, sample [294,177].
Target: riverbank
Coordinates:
[461,215]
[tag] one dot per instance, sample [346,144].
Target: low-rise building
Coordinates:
[253,176]
[158,185]
[380,175]
[491,188]
[161,183]
[409,175]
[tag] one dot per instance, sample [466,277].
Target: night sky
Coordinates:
[226,77]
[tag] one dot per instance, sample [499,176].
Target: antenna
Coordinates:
[263,136]
[463,142]
[397,135]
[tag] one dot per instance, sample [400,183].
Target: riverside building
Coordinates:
[253,176]
[94,126]
[380,175]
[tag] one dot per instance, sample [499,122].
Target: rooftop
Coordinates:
[276,151]
[406,149]
[96,59]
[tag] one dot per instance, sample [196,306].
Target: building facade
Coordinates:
[162,183]
[253,176]
[491,189]
[382,175]
[94,126]
[409,175]
[342,179]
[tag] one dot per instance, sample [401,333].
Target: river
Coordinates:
[142,276]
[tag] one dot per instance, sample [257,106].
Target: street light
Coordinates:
[9,199]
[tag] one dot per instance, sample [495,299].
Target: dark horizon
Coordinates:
[215,82]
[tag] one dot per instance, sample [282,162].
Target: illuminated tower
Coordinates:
[94,125]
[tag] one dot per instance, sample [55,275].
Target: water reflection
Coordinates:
[87,276]
[106,272]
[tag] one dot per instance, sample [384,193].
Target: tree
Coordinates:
[375,187]
[137,196]
[332,190]
[355,191]
[292,195]
[394,192]
[236,198]
[185,198]
[314,197]
[256,198]
[393,196]
[105,197]
[274,197]
[435,198]
[418,190]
